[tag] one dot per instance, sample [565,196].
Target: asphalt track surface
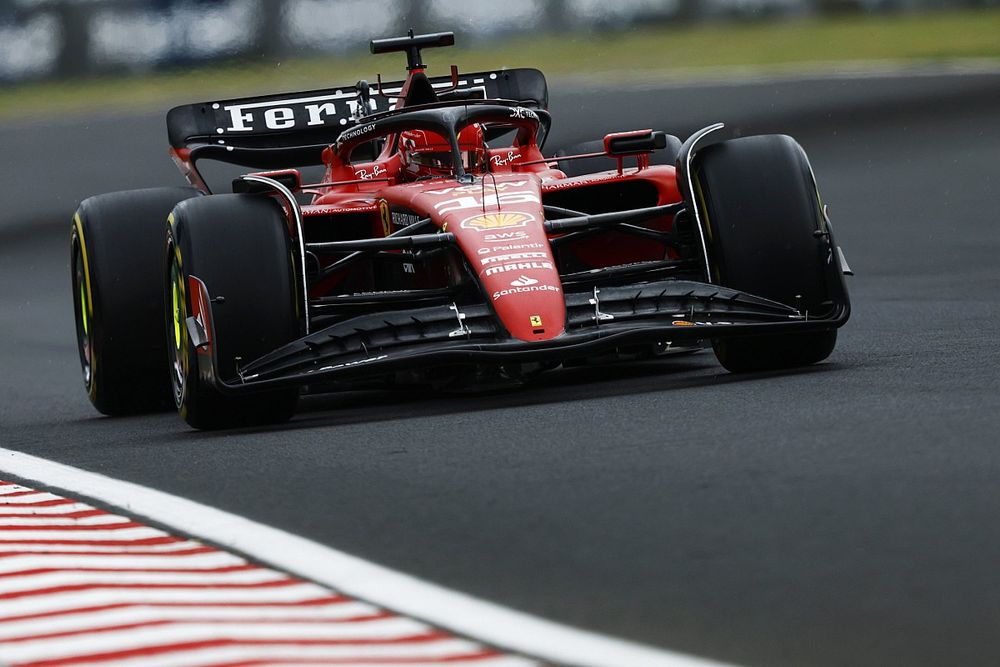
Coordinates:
[842,514]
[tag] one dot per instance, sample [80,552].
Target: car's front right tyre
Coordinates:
[239,247]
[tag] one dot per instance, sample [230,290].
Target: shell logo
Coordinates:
[488,222]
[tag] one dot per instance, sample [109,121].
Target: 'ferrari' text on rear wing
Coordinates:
[291,120]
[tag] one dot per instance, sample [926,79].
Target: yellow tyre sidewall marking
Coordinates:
[713,268]
[78,224]
[83,310]
[178,288]
[174,289]
[87,311]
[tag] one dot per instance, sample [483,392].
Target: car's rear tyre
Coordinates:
[239,247]
[116,264]
[590,165]
[761,211]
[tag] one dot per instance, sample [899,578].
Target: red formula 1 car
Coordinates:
[440,246]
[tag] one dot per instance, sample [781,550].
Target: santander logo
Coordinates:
[523,281]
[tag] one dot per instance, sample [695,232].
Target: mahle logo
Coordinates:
[490,221]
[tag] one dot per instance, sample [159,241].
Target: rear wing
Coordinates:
[292,129]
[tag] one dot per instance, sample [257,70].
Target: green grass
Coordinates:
[917,38]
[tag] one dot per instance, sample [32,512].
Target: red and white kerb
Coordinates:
[82,586]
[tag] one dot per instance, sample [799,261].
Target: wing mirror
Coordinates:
[636,141]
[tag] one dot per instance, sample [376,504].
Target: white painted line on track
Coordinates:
[369,582]
[201,579]
[34,498]
[180,547]
[197,561]
[68,509]
[87,619]
[46,521]
[53,602]
[395,637]
[125,535]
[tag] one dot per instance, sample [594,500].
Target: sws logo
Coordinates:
[491,221]
[503,237]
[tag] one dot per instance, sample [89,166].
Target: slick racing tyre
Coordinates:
[761,210]
[590,165]
[239,247]
[116,262]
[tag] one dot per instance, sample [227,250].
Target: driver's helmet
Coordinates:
[426,153]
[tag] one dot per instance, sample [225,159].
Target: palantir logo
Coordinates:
[523,281]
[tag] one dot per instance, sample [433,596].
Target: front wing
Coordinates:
[599,321]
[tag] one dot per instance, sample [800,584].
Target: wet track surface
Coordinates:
[841,514]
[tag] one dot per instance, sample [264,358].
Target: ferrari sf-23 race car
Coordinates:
[440,247]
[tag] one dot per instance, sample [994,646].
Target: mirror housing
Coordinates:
[636,141]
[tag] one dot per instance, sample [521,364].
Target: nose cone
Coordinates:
[499,227]
[518,273]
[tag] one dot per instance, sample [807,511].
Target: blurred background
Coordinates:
[47,39]
[93,79]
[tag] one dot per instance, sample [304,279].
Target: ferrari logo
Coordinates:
[490,221]
[383,214]
[536,320]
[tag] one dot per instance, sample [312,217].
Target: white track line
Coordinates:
[87,619]
[31,499]
[45,580]
[295,656]
[439,649]
[46,521]
[453,610]
[125,535]
[398,635]
[55,510]
[114,561]
[166,549]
